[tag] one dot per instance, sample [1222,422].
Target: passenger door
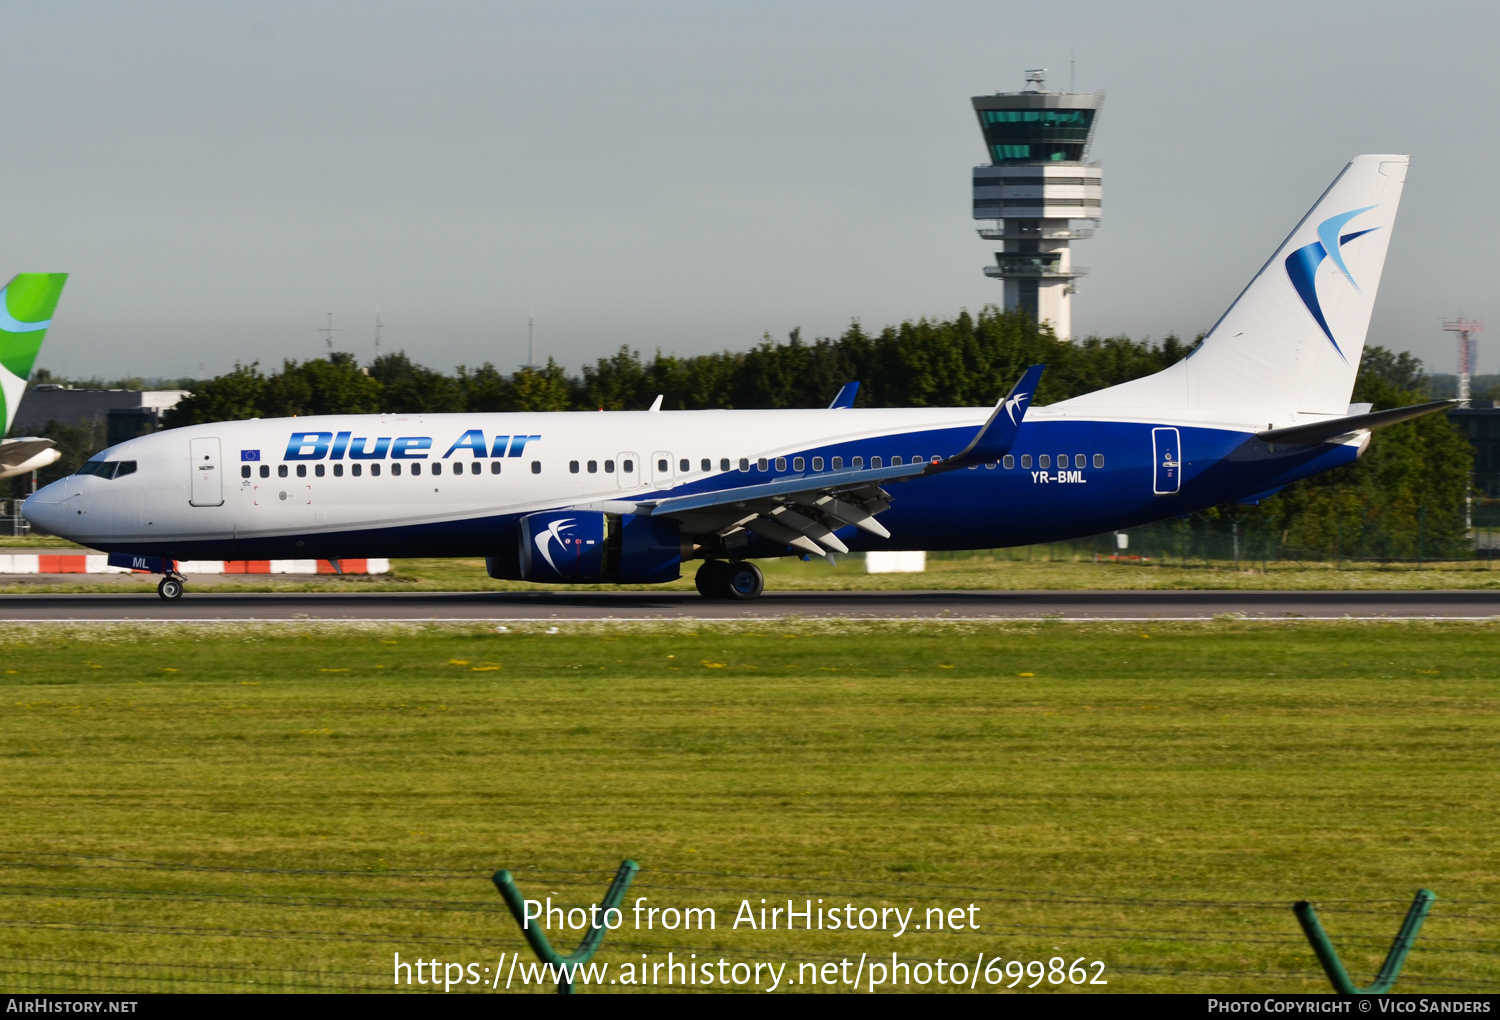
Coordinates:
[208,473]
[1166,446]
[628,470]
[661,469]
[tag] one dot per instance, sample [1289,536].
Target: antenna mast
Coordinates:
[1465,328]
[531,344]
[328,331]
[377,331]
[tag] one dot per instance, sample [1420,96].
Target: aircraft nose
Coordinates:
[44,509]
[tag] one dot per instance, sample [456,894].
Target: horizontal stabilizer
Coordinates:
[845,396]
[1319,431]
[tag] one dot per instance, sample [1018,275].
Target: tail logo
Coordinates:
[1014,402]
[10,324]
[545,539]
[1302,266]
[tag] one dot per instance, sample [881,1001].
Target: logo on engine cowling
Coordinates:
[544,540]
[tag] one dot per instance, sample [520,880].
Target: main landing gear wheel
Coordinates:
[712,579]
[170,588]
[746,582]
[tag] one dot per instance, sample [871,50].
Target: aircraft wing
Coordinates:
[17,456]
[803,512]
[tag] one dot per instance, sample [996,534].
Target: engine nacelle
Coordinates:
[589,547]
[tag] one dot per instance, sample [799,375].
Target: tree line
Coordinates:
[1410,487]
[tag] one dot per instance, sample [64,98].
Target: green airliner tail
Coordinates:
[26,305]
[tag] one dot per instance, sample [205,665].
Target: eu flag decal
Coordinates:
[249,455]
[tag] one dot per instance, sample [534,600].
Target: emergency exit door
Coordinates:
[1167,449]
[207,473]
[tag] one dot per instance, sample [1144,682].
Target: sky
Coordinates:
[688,176]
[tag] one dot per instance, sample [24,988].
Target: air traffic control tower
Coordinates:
[1037,183]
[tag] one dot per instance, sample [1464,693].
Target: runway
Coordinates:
[502,607]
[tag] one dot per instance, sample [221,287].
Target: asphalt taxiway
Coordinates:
[677,605]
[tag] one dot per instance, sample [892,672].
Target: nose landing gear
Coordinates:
[740,581]
[170,588]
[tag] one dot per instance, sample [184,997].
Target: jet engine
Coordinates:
[589,547]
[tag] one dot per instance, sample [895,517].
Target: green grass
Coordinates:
[976,572]
[1154,798]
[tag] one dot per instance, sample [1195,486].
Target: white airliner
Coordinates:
[629,497]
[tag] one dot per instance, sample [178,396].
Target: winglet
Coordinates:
[845,397]
[998,435]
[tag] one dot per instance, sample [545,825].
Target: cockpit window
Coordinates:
[108,468]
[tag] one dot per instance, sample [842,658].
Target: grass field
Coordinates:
[1000,571]
[286,807]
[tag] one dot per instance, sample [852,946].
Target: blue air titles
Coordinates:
[334,446]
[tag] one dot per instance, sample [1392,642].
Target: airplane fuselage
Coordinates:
[457,484]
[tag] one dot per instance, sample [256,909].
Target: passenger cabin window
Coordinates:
[894,461]
[356,469]
[494,467]
[762,464]
[798,464]
[416,469]
[1026,460]
[838,462]
[1098,460]
[280,470]
[396,470]
[536,467]
[338,471]
[437,469]
[301,470]
[474,468]
[859,462]
[1062,460]
[780,463]
[744,463]
[1044,461]
[661,465]
[244,470]
[593,467]
[817,463]
[609,467]
[375,470]
[723,464]
[1079,460]
[627,466]
[1010,462]
[687,465]
[319,470]
[572,467]
[265,471]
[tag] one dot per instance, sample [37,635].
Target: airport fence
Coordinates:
[72,923]
[12,524]
[1216,542]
